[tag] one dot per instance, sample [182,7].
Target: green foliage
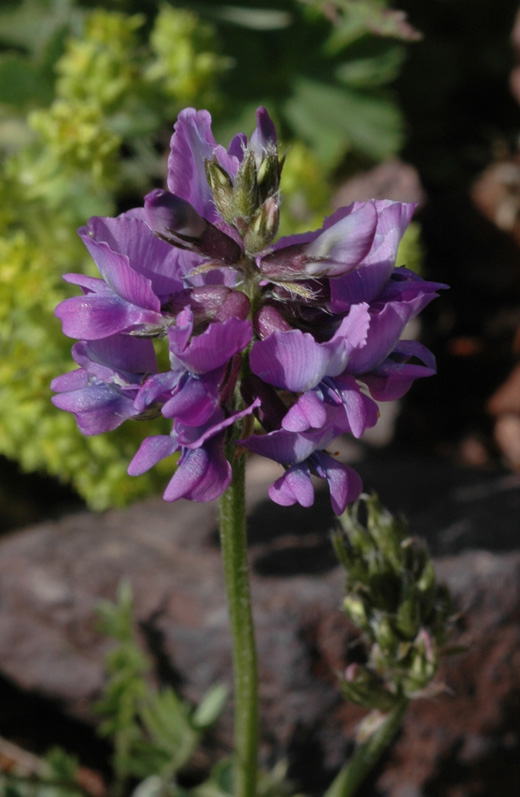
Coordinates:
[57,778]
[154,732]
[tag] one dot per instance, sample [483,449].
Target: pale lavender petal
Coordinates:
[393,219]
[292,360]
[203,474]
[295,486]
[344,243]
[150,452]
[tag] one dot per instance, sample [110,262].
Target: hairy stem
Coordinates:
[367,755]
[233,539]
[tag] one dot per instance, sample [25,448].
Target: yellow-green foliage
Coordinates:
[190,68]
[306,191]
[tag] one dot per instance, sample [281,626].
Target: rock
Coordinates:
[53,574]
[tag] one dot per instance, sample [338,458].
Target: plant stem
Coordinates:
[368,754]
[233,537]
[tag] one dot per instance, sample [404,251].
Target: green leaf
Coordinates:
[211,707]
[372,70]
[334,120]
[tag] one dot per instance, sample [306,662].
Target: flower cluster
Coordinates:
[285,346]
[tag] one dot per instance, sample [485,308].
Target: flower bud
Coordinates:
[423,664]
[264,226]
[267,320]
[221,187]
[177,222]
[355,609]
[366,688]
[245,192]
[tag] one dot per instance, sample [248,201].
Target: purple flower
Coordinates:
[304,333]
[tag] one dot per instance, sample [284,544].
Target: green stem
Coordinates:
[368,754]
[233,539]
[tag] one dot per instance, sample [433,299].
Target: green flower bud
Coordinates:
[245,192]
[264,227]
[423,666]
[366,688]
[408,618]
[355,609]
[222,189]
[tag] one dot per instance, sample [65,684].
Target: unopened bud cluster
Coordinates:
[393,596]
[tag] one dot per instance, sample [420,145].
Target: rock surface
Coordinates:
[465,741]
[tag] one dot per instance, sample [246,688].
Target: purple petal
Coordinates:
[156,387]
[193,144]
[292,360]
[295,486]
[196,399]
[203,474]
[98,408]
[115,267]
[121,353]
[374,271]
[360,411]
[392,379]
[387,322]
[264,132]
[213,348]
[345,484]
[99,315]
[73,380]
[307,413]
[393,219]
[346,239]
[289,448]
[150,452]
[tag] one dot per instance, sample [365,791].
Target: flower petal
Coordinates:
[292,360]
[203,474]
[150,452]
[295,486]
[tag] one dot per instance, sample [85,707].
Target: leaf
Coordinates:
[252,18]
[372,70]
[211,707]
[334,120]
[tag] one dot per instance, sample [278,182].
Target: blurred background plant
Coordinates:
[88,96]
